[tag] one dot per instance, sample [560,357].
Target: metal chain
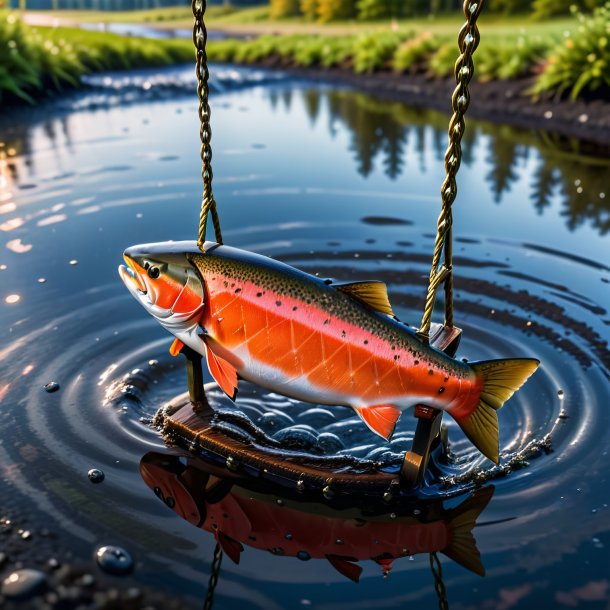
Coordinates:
[439,585]
[208,204]
[468,41]
[214,574]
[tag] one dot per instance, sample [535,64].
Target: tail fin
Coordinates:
[501,379]
[463,547]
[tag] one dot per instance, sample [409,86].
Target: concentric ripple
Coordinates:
[79,202]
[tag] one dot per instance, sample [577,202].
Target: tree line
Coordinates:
[367,10]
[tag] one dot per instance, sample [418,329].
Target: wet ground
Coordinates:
[337,183]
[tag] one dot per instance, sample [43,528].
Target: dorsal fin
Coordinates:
[372,293]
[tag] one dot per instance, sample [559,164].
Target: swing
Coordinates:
[189,420]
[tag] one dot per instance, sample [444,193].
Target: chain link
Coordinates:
[208,203]
[468,41]
[214,574]
[439,585]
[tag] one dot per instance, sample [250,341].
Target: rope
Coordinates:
[208,203]
[468,41]
[439,585]
[214,574]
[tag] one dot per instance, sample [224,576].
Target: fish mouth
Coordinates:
[130,275]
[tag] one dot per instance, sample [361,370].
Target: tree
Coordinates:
[283,8]
[333,10]
[549,8]
[309,8]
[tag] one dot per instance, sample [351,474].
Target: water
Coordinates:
[336,183]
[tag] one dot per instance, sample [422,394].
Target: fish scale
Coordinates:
[326,343]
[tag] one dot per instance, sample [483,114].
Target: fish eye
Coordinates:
[153,272]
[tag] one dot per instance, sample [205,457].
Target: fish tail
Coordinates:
[499,380]
[463,547]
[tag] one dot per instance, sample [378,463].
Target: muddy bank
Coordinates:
[503,102]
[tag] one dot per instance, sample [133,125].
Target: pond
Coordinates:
[337,183]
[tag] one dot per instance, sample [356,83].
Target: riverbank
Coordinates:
[36,62]
[496,102]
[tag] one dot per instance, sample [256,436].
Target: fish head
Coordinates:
[163,280]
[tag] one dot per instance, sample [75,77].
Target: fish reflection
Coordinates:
[243,512]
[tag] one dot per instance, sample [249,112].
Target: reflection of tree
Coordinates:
[311,100]
[545,180]
[502,155]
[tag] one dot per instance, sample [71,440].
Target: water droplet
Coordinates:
[328,492]
[23,583]
[42,280]
[300,485]
[11,299]
[469,39]
[548,114]
[288,536]
[560,394]
[416,511]
[392,515]
[387,496]
[73,262]
[232,463]
[303,556]
[279,502]
[153,362]
[114,560]
[26,534]
[51,387]
[95,475]
[338,541]
[3,267]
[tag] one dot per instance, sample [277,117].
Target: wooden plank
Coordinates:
[187,422]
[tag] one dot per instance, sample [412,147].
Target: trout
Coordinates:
[314,340]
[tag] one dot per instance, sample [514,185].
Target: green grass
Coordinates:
[37,61]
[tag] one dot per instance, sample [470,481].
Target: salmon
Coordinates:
[242,512]
[314,340]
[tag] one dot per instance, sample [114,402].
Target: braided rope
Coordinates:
[208,203]
[468,41]
[214,574]
[439,585]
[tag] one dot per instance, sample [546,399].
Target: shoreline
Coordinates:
[499,102]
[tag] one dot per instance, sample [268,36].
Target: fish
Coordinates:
[314,340]
[245,512]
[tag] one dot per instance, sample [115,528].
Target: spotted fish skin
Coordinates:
[295,334]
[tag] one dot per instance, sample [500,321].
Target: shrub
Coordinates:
[442,62]
[506,60]
[373,51]
[582,61]
[413,55]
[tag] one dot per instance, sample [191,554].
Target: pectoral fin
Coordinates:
[231,548]
[176,347]
[345,566]
[224,373]
[381,419]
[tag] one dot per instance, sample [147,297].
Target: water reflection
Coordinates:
[380,132]
[244,512]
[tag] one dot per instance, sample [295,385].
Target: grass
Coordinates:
[36,61]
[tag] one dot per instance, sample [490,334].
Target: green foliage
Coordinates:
[283,8]
[581,62]
[370,10]
[505,60]
[309,9]
[442,62]
[337,51]
[334,10]
[373,51]
[34,61]
[412,55]
[543,9]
